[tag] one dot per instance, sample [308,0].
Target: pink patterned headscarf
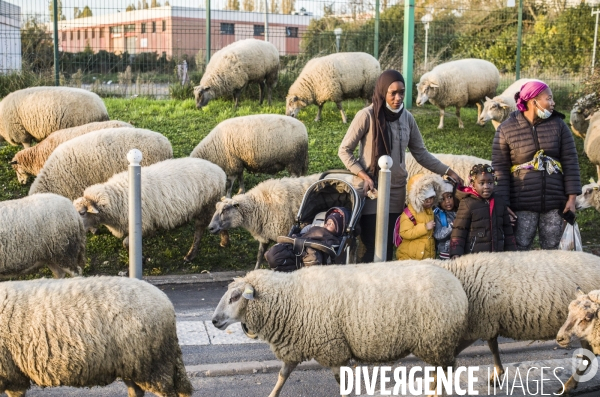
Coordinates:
[529,91]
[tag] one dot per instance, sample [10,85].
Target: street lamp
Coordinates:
[338,34]
[425,20]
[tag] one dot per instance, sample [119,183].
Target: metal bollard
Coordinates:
[383,208]
[135,214]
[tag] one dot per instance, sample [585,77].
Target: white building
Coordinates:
[10,37]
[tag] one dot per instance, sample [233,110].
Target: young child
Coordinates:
[444,215]
[482,223]
[417,233]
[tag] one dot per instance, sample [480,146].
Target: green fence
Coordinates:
[141,47]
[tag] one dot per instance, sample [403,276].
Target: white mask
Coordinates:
[542,113]
[394,110]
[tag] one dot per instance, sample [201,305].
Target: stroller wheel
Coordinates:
[248,333]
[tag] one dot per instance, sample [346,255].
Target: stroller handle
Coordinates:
[340,171]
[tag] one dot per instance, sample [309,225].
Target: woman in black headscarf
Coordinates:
[385,128]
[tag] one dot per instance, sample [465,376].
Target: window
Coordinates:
[259,30]
[71,36]
[79,35]
[291,32]
[143,28]
[130,28]
[227,28]
[164,25]
[85,34]
[101,32]
[93,33]
[115,29]
[153,27]
[64,36]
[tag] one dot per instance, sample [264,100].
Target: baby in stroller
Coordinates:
[321,250]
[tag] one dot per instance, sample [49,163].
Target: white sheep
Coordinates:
[460,163]
[458,83]
[95,157]
[265,143]
[519,295]
[334,77]
[30,161]
[43,229]
[591,143]
[235,66]
[85,332]
[371,313]
[500,107]
[33,113]
[267,211]
[174,192]
[582,111]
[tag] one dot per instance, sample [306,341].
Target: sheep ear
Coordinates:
[295,98]
[504,106]
[433,85]
[592,179]
[487,98]
[580,291]
[236,204]
[223,198]
[205,89]
[92,209]
[13,162]
[249,292]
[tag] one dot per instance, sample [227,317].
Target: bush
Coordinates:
[181,92]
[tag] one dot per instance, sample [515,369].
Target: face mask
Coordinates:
[542,113]
[394,110]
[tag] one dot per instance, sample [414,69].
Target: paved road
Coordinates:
[203,345]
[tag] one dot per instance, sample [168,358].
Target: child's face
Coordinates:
[484,185]
[428,202]
[330,225]
[447,202]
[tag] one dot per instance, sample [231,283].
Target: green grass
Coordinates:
[185,126]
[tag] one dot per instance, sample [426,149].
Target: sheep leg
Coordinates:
[460,122]
[242,189]
[598,172]
[572,383]
[462,345]
[498,368]
[15,393]
[261,92]
[336,374]
[133,390]
[270,89]
[57,271]
[200,224]
[262,247]
[236,96]
[479,109]
[230,181]
[284,373]
[318,118]
[441,124]
[339,106]
[224,235]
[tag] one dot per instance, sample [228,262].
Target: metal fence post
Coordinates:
[266,20]
[207,32]
[408,50]
[376,33]
[383,208]
[55,27]
[135,214]
[519,40]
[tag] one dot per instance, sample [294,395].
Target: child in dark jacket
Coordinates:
[444,215]
[482,223]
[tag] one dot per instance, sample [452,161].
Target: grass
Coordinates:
[185,126]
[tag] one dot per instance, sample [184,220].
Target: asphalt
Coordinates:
[515,370]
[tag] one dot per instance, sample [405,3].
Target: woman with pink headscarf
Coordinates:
[537,167]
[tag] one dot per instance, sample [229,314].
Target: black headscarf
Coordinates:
[381,136]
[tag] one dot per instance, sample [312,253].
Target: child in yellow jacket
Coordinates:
[417,220]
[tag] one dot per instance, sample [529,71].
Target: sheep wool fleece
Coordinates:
[422,311]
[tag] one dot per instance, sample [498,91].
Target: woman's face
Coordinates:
[395,94]
[544,100]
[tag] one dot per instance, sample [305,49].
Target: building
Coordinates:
[10,37]
[175,31]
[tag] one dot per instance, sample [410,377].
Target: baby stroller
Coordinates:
[329,191]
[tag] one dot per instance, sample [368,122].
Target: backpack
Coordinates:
[397,237]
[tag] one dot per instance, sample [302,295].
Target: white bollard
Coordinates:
[383,208]
[135,214]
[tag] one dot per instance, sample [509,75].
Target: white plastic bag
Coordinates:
[571,239]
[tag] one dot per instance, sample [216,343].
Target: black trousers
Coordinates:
[367,236]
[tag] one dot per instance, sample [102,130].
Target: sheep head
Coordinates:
[493,109]
[293,105]
[203,95]
[22,174]
[227,216]
[88,210]
[232,306]
[581,321]
[426,90]
[586,198]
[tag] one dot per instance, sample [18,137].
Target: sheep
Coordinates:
[31,160]
[589,196]
[458,83]
[33,113]
[266,143]
[591,143]
[371,313]
[234,67]
[519,295]
[582,324]
[333,78]
[85,332]
[582,110]
[267,211]
[43,229]
[95,157]
[173,193]
[460,163]
[500,107]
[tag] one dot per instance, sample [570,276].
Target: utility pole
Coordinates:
[55,26]
[408,50]
[207,32]
[519,39]
[266,20]
[596,12]
[376,33]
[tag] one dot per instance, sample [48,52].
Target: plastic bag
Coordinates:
[571,239]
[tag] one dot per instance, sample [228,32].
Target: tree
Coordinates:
[167,3]
[274,7]
[287,6]
[36,47]
[248,5]
[61,17]
[130,7]
[233,5]
[154,4]
[86,12]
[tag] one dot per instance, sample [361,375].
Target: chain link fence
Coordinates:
[159,47]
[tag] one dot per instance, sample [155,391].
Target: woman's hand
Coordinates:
[512,216]
[570,204]
[368,182]
[455,176]
[430,225]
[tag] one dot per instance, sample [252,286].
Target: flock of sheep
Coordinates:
[81,182]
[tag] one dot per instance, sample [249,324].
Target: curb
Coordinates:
[194,278]
[244,368]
